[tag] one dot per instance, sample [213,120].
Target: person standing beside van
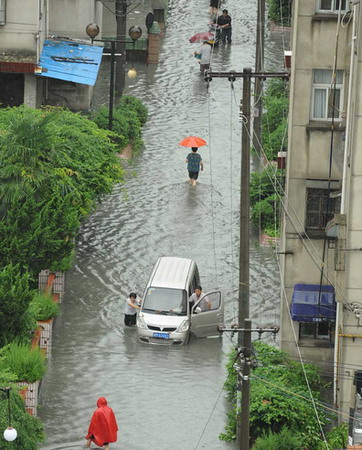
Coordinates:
[130,313]
[198,295]
[194,163]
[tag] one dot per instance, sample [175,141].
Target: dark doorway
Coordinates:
[11,89]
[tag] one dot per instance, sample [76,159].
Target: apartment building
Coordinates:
[322,226]
[26,30]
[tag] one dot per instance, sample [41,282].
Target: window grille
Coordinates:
[320,330]
[320,209]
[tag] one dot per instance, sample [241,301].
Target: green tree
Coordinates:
[280,11]
[265,193]
[280,397]
[128,118]
[284,440]
[28,152]
[274,121]
[54,166]
[15,296]
[29,428]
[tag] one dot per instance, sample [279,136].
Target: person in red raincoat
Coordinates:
[103,426]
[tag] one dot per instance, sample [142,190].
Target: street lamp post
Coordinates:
[134,33]
[10,433]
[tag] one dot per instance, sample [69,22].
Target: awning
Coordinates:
[313,303]
[70,61]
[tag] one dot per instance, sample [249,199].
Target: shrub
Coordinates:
[15,296]
[280,11]
[128,118]
[29,428]
[43,307]
[54,166]
[28,364]
[272,408]
[274,120]
[265,203]
[285,440]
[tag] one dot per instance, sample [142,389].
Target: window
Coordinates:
[324,96]
[320,330]
[332,6]
[320,206]
[2,12]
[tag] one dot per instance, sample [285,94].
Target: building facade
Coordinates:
[24,26]
[322,224]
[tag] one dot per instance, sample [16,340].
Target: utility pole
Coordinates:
[244,354]
[244,206]
[244,339]
[121,21]
[245,388]
[259,67]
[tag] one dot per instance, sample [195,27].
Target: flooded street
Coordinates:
[164,398]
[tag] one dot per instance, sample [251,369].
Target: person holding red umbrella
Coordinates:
[194,162]
[103,426]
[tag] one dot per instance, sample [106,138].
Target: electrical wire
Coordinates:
[304,237]
[212,192]
[231,199]
[209,418]
[284,200]
[294,394]
[300,353]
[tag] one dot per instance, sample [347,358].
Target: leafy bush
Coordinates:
[128,118]
[54,166]
[29,428]
[43,307]
[337,438]
[275,384]
[285,440]
[15,296]
[265,203]
[28,364]
[263,212]
[274,120]
[280,11]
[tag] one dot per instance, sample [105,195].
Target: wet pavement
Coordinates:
[164,398]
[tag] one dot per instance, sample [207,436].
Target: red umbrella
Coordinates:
[201,37]
[192,141]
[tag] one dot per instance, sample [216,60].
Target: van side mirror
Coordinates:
[197,310]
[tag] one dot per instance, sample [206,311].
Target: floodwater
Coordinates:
[164,398]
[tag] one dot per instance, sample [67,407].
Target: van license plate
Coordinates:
[161,335]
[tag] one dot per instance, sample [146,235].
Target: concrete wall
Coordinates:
[313,45]
[350,338]
[19,34]
[69,18]
[308,157]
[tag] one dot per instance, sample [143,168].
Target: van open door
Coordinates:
[207,314]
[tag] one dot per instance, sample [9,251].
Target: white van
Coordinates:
[165,316]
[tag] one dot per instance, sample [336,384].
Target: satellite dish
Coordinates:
[149,20]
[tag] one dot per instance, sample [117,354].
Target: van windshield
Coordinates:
[170,302]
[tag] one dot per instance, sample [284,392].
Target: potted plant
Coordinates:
[26,363]
[43,307]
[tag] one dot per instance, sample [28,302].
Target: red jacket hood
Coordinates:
[103,424]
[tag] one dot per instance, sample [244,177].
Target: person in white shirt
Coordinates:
[205,52]
[198,295]
[130,312]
